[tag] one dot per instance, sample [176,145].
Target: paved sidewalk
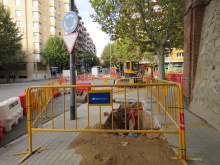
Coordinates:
[55,142]
[202,140]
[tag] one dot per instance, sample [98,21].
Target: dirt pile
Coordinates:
[107,149]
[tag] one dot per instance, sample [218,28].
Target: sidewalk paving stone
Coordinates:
[202,140]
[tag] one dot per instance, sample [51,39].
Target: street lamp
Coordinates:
[35,59]
[110,56]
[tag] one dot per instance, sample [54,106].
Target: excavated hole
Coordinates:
[119,117]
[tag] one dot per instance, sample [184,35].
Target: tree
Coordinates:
[125,49]
[106,55]
[158,21]
[56,53]
[91,59]
[11,54]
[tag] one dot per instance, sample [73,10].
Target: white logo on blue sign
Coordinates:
[99,98]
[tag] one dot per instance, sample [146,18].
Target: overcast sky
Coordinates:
[96,34]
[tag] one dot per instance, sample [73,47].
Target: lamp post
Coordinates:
[110,56]
[35,60]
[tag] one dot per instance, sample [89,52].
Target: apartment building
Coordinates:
[37,20]
[174,61]
[90,45]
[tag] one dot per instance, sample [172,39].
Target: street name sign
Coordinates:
[69,22]
[100,98]
[69,40]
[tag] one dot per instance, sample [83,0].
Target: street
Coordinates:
[14,89]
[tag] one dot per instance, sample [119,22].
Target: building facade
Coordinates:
[174,61]
[37,20]
[201,81]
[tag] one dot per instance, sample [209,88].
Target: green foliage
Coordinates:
[106,55]
[126,49]
[91,59]
[11,54]
[56,53]
[159,23]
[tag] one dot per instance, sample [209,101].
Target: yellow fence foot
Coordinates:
[196,159]
[29,153]
[184,160]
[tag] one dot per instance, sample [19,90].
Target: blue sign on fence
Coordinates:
[78,77]
[100,98]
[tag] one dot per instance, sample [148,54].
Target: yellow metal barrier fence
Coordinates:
[168,96]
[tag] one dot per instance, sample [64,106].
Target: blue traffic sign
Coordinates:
[70,21]
[99,98]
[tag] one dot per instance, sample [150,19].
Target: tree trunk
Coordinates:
[161,70]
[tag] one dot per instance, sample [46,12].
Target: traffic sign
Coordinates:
[70,21]
[100,98]
[69,40]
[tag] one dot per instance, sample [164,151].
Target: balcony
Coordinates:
[38,57]
[168,59]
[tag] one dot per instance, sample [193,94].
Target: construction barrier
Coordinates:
[10,112]
[1,131]
[172,76]
[168,96]
[89,77]
[83,88]
[23,102]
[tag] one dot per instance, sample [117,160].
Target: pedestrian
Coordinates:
[13,76]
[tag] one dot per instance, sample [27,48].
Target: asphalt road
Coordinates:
[13,89]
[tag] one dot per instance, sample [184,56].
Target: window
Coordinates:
[5,2]
[135,66]
[60,32]
[52,9]
[36,14]
[59,22]
[36,3]
[18,23]
[37,45]
[59,14]
[52,28]
[52,19]
[37,35]
[37,25]
[17,2]
[37,56]
[128,65]
[66,5]
[17,13]
[180,54]
[59,4]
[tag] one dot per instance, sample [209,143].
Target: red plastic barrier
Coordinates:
[23,102]
[83,88]
[33,99]
[173,77]
[178,78]
[1,131]
[56,92]
[118,75]
[67,78]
